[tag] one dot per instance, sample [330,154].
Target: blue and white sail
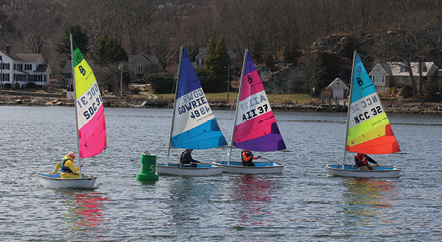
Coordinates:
[194,126]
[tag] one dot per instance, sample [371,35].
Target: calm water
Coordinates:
[301,204]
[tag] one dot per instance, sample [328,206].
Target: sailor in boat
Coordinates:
[247,158]
[67,166]
[187,160]
[362,160]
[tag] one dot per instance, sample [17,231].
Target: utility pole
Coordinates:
[228,81]
[1,71]
[121,80]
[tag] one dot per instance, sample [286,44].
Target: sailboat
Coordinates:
[193,124]
[90,122]
[255,127]
[368,128]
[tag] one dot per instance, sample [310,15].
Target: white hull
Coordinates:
[259,168]
[201,170]
[352,171]
[54,181]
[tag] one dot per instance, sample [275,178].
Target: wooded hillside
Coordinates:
[400,30]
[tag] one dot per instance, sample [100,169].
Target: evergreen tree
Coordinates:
[258,51]
[210,61]
[79,36]
[217,62]
[108,50]
[292,53]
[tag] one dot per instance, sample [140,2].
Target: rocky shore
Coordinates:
[35,99]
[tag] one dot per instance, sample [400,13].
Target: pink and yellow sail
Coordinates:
[91,123]
[255,125]
[369,130]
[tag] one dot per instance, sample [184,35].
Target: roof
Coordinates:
[143,59]
[380,70]
[337,84]
[67,67]
[398,69]
[28,57]
[41,68]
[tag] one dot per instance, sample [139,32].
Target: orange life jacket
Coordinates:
[361,161]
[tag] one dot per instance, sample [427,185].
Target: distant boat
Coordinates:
[368,128]
[193,124]
[255,127]
[90,122]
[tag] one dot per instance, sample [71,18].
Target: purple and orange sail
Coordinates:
[255,125]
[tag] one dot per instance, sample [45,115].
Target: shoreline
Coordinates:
[111,101]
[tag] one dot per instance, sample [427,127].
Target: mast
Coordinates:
[237,102]
[174,104]
[75,104]
[349,106]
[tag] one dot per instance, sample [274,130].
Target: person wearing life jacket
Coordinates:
[67,167]
[187,160]
[361,161]
[247,158]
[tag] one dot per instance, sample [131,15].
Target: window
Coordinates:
[379,79]
[5,77]
[400,79]
[19,77]
[401,68]
[6,66]
[28,67]
[18,67]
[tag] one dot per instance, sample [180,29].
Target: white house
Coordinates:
[395,74]
[22,69]
[338,88]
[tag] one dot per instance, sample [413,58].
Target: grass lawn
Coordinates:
[273,98]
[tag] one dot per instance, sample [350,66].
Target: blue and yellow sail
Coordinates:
[369,130]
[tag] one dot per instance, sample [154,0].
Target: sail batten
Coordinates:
[369,130]
[255,125]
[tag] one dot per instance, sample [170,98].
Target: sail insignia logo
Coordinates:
[358,71]
[79,58]
[249,79]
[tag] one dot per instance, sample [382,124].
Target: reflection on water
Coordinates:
[369,200]
[253,195]
[84,210]
[190,201]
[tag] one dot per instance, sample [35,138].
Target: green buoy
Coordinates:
[148,168]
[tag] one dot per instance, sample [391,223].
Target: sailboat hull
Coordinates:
[352,171]
[54,181]
[259,168]
[201,170]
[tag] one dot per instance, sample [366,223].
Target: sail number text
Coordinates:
[255,112]
[253,106]
[90,101]
[366,109]
[196,107]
